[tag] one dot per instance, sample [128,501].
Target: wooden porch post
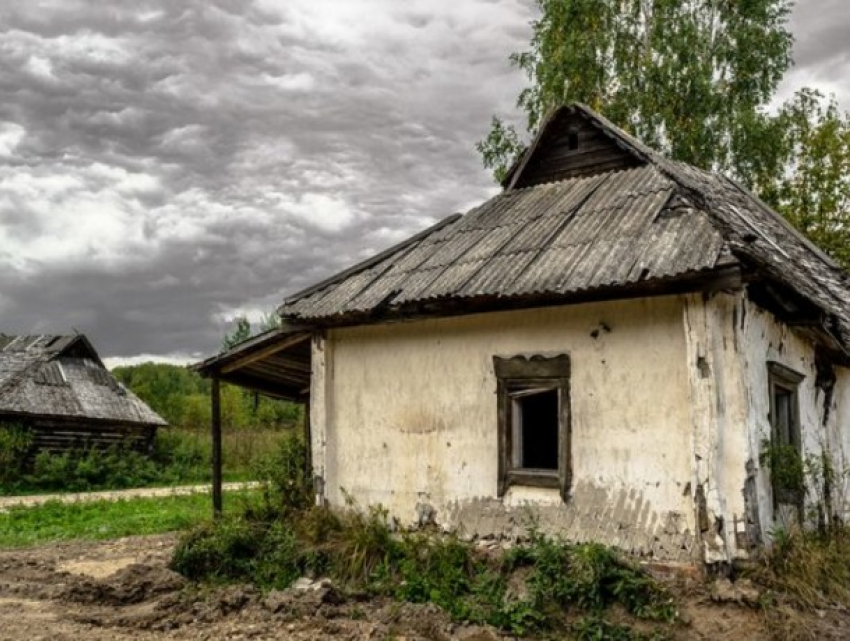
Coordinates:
[216,447]
[308,438]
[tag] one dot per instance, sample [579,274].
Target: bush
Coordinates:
[88,469]
[15,444]
[182,454]
[287,484]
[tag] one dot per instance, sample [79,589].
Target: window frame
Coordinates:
[788,380]
[522,372]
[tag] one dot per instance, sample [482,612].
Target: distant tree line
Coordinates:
[182,397]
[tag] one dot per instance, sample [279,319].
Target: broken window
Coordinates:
[533,397]
[786,458]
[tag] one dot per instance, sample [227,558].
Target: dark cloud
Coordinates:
[821,31]
[165,165]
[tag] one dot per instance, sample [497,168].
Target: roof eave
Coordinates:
[727,276]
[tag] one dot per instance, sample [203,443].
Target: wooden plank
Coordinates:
[216,448]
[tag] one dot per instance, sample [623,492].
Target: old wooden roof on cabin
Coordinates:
[63,377]
[620,218]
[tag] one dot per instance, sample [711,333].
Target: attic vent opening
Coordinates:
[572,139]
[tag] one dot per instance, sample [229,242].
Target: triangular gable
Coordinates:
[571,144]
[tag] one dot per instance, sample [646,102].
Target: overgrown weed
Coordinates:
[811,569]
[540,585]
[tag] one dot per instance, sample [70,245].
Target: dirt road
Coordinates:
[74,497]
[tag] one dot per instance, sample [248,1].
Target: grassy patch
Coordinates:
[55,521]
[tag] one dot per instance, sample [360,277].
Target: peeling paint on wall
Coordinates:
[620,517]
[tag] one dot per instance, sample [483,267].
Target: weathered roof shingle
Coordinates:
[62,376]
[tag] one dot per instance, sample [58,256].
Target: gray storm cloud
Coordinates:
[165,165]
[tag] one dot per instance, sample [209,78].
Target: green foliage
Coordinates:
[15,444]
[592,577]
[179,457]
[814,192]
[182,398]
[785,464]
[595,628]
[693,80]
[91,469]
[164,387]
[288,486]
[689,78]
[240,333]
[227,549]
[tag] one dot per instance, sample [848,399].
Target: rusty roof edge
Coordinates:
[369,262]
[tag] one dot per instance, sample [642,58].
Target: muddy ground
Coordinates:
[123,589]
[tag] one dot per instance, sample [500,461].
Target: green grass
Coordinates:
[98,520]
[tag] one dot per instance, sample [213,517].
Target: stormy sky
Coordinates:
[167,165]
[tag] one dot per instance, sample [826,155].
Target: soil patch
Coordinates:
[123,589]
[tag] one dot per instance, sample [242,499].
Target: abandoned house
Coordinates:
[58,387]
[611,346]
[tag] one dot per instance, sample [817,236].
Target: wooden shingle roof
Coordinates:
[63,377]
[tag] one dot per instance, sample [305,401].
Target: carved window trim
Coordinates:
[521,374]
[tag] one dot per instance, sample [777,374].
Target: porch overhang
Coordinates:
[275,363]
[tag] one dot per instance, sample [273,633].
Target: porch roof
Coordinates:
[275,363]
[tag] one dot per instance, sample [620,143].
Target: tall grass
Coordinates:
[242,450]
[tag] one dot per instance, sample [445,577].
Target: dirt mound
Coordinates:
[133,584]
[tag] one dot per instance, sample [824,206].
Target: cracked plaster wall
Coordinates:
[405,415]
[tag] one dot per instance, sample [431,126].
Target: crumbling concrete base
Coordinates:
[618,517]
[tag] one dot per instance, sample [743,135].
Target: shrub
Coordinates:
[87,469]
[360,551]
[225,550]
[287,484]
[15,444]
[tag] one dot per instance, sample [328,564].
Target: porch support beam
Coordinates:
[216,447]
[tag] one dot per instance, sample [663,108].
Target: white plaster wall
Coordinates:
[838,431]
[767,339]
[719,417]
[730,341]
[406,412]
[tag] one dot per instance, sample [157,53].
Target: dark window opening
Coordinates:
[786,453]
[783,425]
[534,421]
[535,418]
[572,140]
